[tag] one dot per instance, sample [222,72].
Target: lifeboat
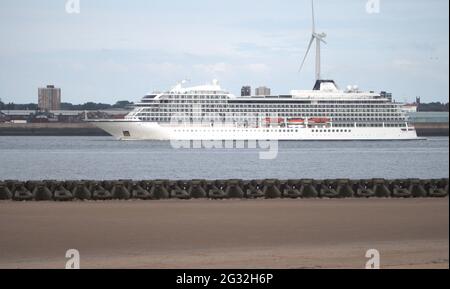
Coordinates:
[319,120]
[296,121]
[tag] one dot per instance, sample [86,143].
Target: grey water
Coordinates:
[103,158]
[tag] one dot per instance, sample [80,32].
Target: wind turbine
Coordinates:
[318,37]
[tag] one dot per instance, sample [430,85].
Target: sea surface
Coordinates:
[103,158]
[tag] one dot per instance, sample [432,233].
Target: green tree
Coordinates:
[123,104]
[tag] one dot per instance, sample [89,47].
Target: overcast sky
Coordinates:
[120,50]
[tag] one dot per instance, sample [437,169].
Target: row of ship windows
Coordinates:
[275,101]
[273,111]
[246,125]
[164,119]
[175,98]
[280,111]
[381,125]
[246,115]
[266,111]
[219,103]
[359,125]
[268,106]
[195,93]
[265,130]
[329,130]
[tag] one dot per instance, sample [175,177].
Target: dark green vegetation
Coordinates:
[433,106]
[68,106]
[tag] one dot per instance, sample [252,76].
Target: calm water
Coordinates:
[104,158]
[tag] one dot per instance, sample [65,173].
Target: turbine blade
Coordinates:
[306,54]
[313,18]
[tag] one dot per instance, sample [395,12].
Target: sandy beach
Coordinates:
[409,233]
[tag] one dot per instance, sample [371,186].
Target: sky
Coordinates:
[121,50]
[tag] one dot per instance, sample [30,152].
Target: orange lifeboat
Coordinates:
[319,120]
[296,121]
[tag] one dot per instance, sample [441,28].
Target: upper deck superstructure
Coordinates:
[344,108]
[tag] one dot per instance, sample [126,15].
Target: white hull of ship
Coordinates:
[138,130]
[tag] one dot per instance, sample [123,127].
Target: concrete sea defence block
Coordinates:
[53,190]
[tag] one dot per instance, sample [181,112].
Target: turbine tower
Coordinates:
[318,37]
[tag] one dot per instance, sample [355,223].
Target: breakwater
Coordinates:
[221,189]
[50,129]
[432,129]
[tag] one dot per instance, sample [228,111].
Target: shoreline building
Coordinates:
[246,91]
[262,91]
[49,98]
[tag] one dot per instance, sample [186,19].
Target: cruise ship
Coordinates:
[208,112]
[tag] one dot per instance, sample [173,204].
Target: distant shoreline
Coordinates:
[87,129]
[50,129]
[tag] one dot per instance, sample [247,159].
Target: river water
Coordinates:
[102,158]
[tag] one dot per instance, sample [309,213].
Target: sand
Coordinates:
[409,233]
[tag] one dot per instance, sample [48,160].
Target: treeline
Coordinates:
[15,106]
[69,106]
[96,106]
[433,106]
